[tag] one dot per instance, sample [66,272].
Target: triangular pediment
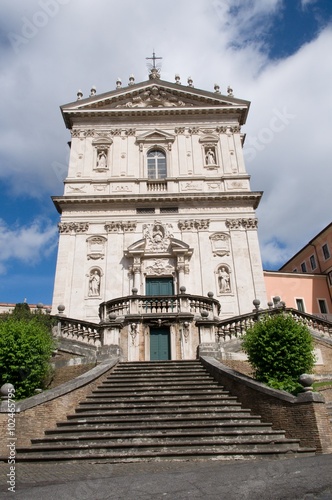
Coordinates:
[156,135]
[175,246]
[154,94]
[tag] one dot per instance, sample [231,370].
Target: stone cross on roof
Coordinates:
[154,71]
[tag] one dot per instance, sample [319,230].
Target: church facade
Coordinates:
[158,233]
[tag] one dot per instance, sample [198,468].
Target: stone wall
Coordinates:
[325,347]
[303,417]
[38,413]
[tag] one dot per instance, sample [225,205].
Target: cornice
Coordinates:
[234,198]
[239,111]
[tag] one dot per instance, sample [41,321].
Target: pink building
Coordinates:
[305,281]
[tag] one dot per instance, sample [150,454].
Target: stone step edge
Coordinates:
[153,434]
[166,418]
[68,427]
[194,446]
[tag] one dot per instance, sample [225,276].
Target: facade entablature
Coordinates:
[127,186]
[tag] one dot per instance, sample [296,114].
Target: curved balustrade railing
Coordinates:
[166,304]
[83,331]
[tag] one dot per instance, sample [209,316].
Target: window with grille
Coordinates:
[156,164]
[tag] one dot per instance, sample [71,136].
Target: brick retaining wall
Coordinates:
[38,413]
[303,417]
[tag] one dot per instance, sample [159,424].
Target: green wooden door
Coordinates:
[159,286]
[159,344]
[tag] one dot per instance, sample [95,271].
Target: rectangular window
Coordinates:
[300,305]
[145,210]
[313,262]
[330,278]
[303,267]
[169,210]
[326,251]
[322,306]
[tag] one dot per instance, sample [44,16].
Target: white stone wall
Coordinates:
[127,144]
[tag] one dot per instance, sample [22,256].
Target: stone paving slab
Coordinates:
[301,478]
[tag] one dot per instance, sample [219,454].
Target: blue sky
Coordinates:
[274,53]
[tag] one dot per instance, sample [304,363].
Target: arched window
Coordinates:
[156,164]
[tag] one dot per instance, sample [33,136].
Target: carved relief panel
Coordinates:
[96,247]
[220,244]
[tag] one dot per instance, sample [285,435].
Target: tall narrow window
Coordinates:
[313,262]
[156,165]
[303,267]
[300,305]
[326,251]
[322,306]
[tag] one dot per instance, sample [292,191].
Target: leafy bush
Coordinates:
[26,345]
[280,349]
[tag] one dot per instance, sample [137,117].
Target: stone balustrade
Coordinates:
[83,331]
[150,304]
[236,327]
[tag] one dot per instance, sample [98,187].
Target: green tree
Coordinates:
[279,349]
[26,346]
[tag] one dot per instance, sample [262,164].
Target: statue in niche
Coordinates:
[158,234]
[102,160]
[94,284]
[210,157]
[224,280]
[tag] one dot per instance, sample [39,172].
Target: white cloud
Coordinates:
[89,43]
[26,244]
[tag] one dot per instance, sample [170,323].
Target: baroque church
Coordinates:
[158,233]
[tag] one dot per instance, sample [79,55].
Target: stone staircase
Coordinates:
[160,411]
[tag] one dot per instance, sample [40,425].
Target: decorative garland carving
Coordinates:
[193,224]
[73,227]
[227,129]
[89,133]
[116,226]
[154,98]
[250,223]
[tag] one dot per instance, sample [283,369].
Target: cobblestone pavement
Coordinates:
[307,478]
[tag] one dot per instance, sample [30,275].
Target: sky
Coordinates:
[274,53]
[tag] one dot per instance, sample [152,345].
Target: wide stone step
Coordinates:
[157,391]
[157,412]
[134,416]
[239,434]
[129,379]
[154,385]
[165,427]
[157,381]
[163,443]
[219,452]
[138,422]
[186,405]
[186,398]
[161,372]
